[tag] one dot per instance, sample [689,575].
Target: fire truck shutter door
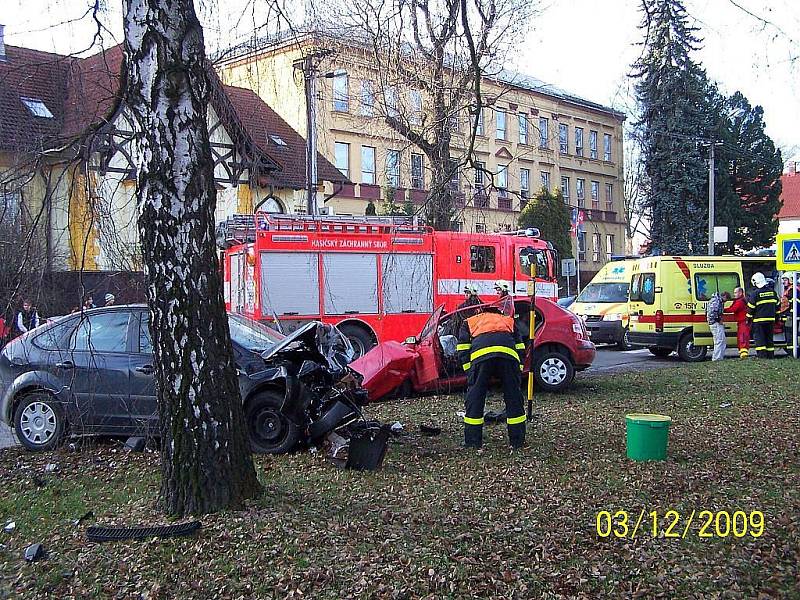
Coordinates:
[290,283]
[407,283]
[350,283]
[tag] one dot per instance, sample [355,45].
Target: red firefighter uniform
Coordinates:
[490,347]
[739,311]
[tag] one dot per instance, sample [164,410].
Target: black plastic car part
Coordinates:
[113,534]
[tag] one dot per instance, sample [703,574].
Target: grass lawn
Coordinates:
[439,521]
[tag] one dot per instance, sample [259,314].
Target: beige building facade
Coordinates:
[532,136]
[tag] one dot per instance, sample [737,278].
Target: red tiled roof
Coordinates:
[92,86]
[790,195]
[32,74]
[261,122]
[81,93]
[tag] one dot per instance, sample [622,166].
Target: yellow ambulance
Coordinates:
[603,304]
[669,295]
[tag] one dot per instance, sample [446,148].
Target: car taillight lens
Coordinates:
[659,320]
[579,329]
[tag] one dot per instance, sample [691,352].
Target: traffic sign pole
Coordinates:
[794,315]
[787,258]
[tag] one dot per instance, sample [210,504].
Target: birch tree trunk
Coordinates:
[205,454]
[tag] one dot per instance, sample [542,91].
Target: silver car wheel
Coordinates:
[38,423]
[553,371]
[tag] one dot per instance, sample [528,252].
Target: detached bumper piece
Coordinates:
[115,534]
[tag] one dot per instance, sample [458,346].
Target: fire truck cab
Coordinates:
[377,278]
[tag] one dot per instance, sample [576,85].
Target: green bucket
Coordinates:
[647,436]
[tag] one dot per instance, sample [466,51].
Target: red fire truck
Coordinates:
[377,278]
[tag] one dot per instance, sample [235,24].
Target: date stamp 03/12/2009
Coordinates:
[672,524]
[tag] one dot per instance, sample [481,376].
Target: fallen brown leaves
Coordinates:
[438,521]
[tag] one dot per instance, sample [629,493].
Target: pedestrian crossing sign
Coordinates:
[788,251]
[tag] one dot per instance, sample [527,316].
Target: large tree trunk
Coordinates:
[205,453]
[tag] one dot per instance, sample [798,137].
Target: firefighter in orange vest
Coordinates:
[488,347]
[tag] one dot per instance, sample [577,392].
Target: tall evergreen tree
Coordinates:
[748,175]
[548,213]
[672,95]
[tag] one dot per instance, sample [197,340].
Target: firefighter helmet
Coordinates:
[758,280]
[502,286]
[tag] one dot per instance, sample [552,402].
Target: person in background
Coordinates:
[27,318]
[5,331]
[88,303]
[109,298]
[714,312]
[762,309]
[502,288]
[465,310]
[739,311]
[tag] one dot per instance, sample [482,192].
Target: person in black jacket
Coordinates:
[762,307]
[488,347]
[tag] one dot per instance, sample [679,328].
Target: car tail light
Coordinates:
[659,320]
[579,329]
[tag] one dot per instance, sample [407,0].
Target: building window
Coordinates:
[452,121]
[416,107]
[563,138]
[479,129]
[595,191]
[565,189]
[393,168]
[543,133]
[592,144]
[368,165]
[341,99]
[500,117]
[546,180]
[609,196]
[367,98]
[480,227]
[10,204]
[579,141]
[607,146]
[390,98]
[609,245]
[36,107]
[479,173]
[582,246]
[525,183]
[341,154]
[523,128]
[596,249]
[580,192]
[453,169]
[417,171]
[502,180]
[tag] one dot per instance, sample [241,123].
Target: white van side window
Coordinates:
[643,288]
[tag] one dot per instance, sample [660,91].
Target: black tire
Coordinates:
[660,352]
[360,338]
[623,343]
[688,352]
[39,422]
[269,430]
[552,371]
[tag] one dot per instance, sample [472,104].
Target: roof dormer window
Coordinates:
[36,107]
[277,140]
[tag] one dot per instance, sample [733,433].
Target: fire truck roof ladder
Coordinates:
[529,232]
[339,224]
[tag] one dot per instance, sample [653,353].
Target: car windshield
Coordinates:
[251,334]
[604,292]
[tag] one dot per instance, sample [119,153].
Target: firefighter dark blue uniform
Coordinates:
[488,347]
[762,307]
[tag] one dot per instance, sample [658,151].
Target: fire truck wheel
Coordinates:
[553,371]
[269,430]
[359,338]
[688,352]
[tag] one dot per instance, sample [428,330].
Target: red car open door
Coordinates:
[427,363]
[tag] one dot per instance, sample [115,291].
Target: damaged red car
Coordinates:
[429,362]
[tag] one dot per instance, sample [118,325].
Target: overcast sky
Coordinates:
[584,46]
